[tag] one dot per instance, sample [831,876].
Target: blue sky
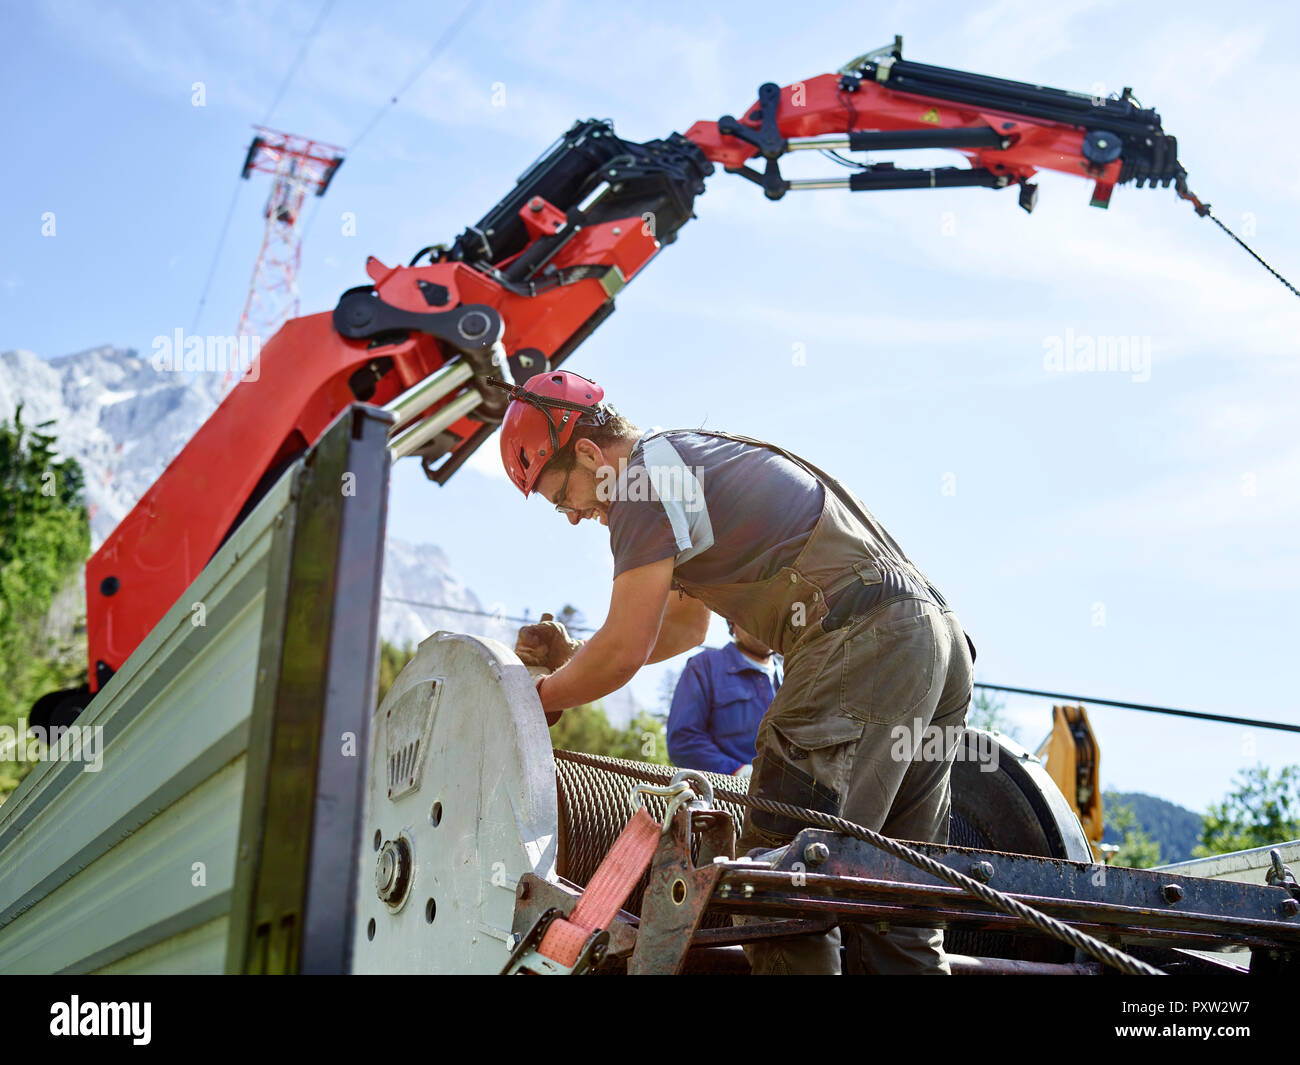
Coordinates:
[1039,502]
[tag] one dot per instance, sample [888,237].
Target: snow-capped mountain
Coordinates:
[123,421]
[419,573]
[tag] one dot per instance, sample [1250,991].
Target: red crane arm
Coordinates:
[1019,147]
[1007,130]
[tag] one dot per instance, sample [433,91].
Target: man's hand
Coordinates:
[546,643]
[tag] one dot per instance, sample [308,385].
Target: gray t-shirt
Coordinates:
[728,512]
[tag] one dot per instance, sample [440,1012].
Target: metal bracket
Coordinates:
[1280,875]
[854,880]
[886,53]
[766,139]
[679,892]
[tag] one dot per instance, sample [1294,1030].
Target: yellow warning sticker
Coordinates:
[931,115]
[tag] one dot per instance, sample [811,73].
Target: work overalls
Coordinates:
[891,656]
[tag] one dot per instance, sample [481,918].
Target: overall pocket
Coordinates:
[889,663]
[802,766]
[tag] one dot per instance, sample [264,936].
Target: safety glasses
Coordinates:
[564,490]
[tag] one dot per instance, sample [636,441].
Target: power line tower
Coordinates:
[299,166]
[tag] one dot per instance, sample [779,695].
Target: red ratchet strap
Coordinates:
[606,892]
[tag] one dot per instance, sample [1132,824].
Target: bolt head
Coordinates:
[1172,892]
[474,325]
[748,891]
[385,870]
[1290,907]
[816,853]
[393,871]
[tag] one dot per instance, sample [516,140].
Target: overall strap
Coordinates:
[825,479]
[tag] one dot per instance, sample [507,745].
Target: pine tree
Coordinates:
[44,539]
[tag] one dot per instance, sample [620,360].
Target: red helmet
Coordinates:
[541,419]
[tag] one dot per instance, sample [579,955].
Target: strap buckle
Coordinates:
[526,959]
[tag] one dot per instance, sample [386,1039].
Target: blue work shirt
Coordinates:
[720,698]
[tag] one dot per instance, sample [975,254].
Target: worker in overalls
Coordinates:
[706,521]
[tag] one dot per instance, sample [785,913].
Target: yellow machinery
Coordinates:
[1074,763]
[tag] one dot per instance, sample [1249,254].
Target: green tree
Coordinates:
[586,729]
[1137,850]
[644,740]
[392,660]
[1263,809]
[986,712]
[44,539]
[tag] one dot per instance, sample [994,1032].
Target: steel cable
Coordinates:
[1253,254]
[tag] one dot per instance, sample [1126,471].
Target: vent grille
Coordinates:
[408,726]
[401,767]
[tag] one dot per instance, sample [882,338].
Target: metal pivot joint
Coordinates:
[472,330]
[767,139]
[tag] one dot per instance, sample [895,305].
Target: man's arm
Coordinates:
[685,625]
[621,646]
